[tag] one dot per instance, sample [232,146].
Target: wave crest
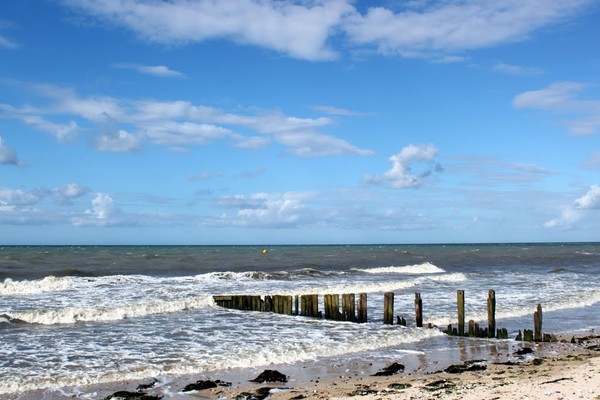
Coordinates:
[417,269]
[97,314]
[48,284]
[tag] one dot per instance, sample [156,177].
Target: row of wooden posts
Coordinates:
[353,310]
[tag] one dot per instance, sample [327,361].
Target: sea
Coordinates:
[72,317]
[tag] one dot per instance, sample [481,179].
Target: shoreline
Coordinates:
[493,369]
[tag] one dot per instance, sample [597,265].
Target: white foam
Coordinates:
[417,269]
[249,356]
[74,315]
[48,284]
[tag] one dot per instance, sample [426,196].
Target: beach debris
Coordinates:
[270,375]
[259,394]
[362,390]
[523,351]
[466,367]
[125,395]
[399,386]
[390,370]
[557,380]
[204,384]
[145,386]
[442,384]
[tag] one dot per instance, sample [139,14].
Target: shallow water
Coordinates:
[73,316]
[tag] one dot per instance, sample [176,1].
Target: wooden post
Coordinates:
[528,335]
[332,306]
[460,300]
[287,307]
[388,308]
[491,304]
[314,300]
[349,307]
[537,324]
[418,310]
[471,328]
[362,308]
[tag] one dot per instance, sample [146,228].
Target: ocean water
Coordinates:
[76,316]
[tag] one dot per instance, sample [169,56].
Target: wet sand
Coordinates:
[480,369]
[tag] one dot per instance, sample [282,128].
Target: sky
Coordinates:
[299,122]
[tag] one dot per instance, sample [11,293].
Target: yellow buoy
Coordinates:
[265,251]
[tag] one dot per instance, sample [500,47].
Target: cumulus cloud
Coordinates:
[577,210]
[66,194]
[103,212]
[161,71]
[266,210]
[18,197]
[402,174]
[562,98]
[118,142]
[7,155]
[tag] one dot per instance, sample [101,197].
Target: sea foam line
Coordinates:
[417,269]
[97,314]
[47,284]
[242,358]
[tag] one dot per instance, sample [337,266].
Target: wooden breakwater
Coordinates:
[354,309]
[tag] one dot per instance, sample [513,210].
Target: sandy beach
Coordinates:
[561,370]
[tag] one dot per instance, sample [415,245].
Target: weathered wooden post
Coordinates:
[537,324]
[418,310]
[472,330]
[388,308]
[362,308]
[460,300]
[349,307]
[310,305]
[491,304]
[332,306]
[287,304]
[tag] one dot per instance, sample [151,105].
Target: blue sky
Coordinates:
[314,121]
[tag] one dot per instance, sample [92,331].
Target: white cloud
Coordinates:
[306,29]
[314,144]
[184,133]
[7,43]
[590,200]
[401,175]
[118,142]
[17,197]
[449,26]
[67,193]
[156,70]
[511,69]
[62,131]
[177,124]
[562,98]
[593,162]
[267,210]
[103,212]
[578,210]
[332,110]
[95,108]
[300,30]
[7,155]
